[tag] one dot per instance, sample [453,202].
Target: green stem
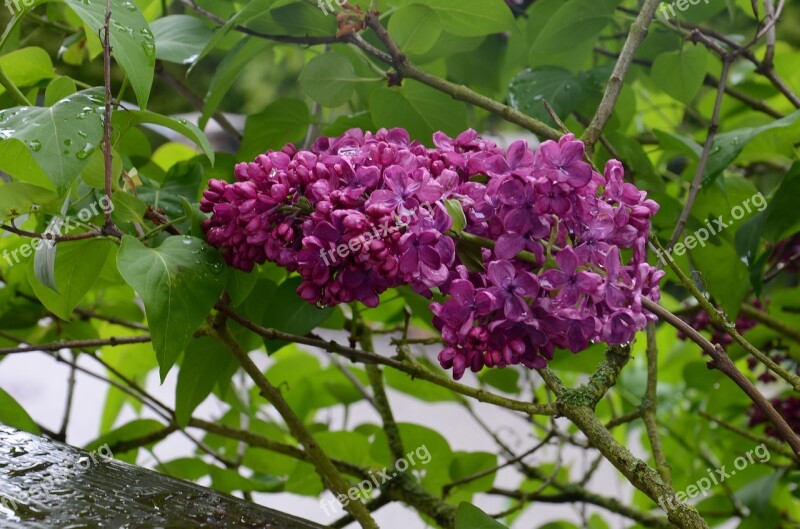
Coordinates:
[9,85]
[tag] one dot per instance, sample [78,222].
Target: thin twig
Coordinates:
[62,432]
[650,406]
[636,35]
[50,237]
[76,344]
[415,370]
[694,189]
[109,228]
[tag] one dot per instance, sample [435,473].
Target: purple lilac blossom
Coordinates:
[362,213]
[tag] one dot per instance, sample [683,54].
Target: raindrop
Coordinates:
[67,142]
[84,153]
[35,145]
[149,49]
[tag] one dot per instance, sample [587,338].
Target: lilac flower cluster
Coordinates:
[700,321]
[556,250]
[786,254]
[788,407]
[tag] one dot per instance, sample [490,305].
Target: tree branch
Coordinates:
[76,344]
[650,406]
[414,370]
[330,475]
[636,35]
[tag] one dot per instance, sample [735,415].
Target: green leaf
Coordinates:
[27,66]
[18,198]
[206,361]
[130,118]
[58,89]
[506,379]
[299,18]
[467,464]
[681,73]
[72,278]
[456,213]
[473,18]
[329,79]
[678,143]
[14,415]
[419,109]
[780,218]
[94,174]
[127,208]
[471,254]
[132,42]
[179,283]
[252,10]
[415,28]
[240,285]
[182,181]
[729,284]
[229,480]
[180,38]
[419,389]
[728,146]
[575,22]
[127,432]
[228,71]
[288,312]
[562,89]
[59,138]
[284,121]
[470,517]
[188,468]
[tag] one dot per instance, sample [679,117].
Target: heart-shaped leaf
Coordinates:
[179,283]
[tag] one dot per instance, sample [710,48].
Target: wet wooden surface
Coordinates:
[49,485]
